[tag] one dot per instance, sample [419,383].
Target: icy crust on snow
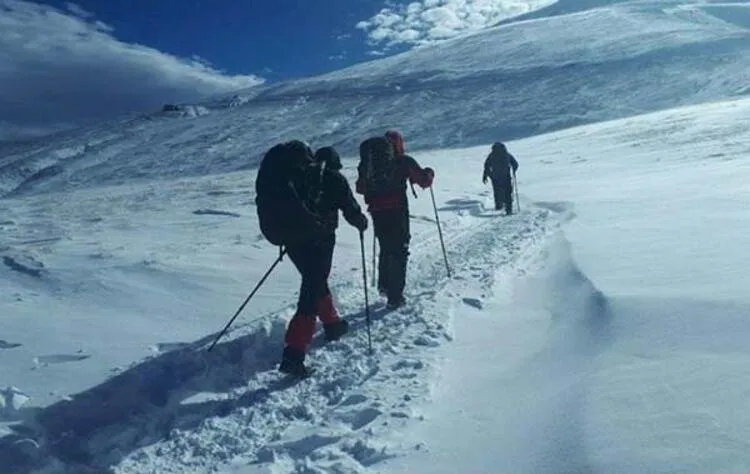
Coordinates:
[512,81]
[187,410]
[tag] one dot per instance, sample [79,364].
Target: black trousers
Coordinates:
[503,190]
[313,261]
[392,231]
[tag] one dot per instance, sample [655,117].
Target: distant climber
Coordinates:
[498,167]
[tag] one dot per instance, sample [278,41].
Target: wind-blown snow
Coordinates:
[601,329]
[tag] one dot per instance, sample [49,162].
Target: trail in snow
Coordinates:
[186,410]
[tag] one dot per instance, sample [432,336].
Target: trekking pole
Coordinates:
[364,280]
[440,232]
[515,186]
[413,191]
[374,265]
[252,293]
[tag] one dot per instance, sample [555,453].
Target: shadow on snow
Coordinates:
[98,427]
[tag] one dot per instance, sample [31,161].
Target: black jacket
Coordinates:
[497,166]
[334,195]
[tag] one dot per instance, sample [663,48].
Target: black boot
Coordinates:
[383,271]
[396,302]
[334,331]
[293,363]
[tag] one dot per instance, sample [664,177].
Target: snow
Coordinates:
[620,350]
[601,329]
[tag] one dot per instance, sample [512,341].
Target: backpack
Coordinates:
[281,194]
[500,161]
[378,166]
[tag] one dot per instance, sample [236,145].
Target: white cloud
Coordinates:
[58,68]
[428,21]
[77,10]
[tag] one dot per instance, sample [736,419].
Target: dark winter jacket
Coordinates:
[408,170]
[497,166]
[335,194]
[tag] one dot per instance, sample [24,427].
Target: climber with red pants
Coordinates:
[325,192]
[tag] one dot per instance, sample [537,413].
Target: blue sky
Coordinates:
[275,39]
[65,63]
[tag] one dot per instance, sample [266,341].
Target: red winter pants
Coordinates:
[313,261]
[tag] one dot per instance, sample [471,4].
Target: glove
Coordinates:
[361,223]
[484,180]
[430,172]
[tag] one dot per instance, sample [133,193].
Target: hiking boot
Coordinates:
[334,331]
[397,302]
[293,363]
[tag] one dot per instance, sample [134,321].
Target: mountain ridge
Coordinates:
[504,83]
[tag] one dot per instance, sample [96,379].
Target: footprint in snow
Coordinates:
[355,399]
[473,302]
[299,448]
[59,358]
[426,341]
[407,364]
[360,419]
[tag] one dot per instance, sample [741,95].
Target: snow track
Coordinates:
[187,410]
[335,421]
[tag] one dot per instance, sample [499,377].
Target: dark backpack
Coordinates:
[281,194]
[378,166]
[500,162]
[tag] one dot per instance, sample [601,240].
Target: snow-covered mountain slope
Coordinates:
[510,81]
[617,350]
[602,329]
